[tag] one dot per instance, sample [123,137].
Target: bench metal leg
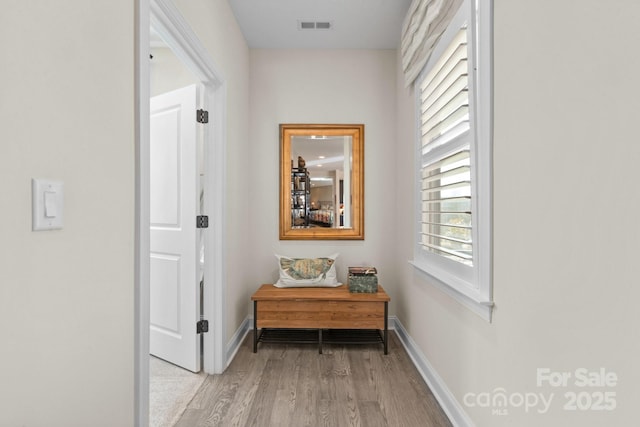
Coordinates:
[386,328]
[255,326]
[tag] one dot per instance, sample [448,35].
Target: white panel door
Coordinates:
[174,287]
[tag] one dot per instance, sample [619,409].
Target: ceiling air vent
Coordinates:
[314,25]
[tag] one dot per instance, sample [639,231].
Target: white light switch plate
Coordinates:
[47,204]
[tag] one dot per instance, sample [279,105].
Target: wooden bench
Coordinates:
[302,314]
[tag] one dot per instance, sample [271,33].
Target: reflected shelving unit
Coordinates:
[300,197]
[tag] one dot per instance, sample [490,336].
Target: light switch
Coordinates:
[50,204]
[47,204]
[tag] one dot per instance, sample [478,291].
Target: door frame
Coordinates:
[169,23]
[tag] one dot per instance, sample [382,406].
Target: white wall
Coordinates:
[168,72]
[67,296]
[324,194]
[322,86]
[565,226]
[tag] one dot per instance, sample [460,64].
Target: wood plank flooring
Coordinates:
[292,385]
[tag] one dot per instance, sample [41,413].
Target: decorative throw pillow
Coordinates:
[307,272]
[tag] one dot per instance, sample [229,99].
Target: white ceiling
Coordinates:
[321,155]
[355,24]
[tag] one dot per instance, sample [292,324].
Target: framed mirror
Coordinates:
[321,182]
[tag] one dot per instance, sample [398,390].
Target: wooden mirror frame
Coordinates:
[356,232]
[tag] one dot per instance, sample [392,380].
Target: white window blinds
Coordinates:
[453,137]
[446,215]
[425,22]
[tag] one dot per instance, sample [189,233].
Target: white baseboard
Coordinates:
[236,341]
[448,402]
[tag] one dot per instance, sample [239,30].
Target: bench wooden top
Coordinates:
[271,293]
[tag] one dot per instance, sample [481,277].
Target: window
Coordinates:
[445,148]
[453,231]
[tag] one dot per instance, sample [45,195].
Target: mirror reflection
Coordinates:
[321,181]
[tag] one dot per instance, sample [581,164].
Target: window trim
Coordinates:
[471,286]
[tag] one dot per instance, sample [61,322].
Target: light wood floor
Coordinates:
[293,385]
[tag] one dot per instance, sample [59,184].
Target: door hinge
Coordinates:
[202,326]
[202,116]
[202,221]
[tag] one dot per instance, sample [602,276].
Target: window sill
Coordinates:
[482,308]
